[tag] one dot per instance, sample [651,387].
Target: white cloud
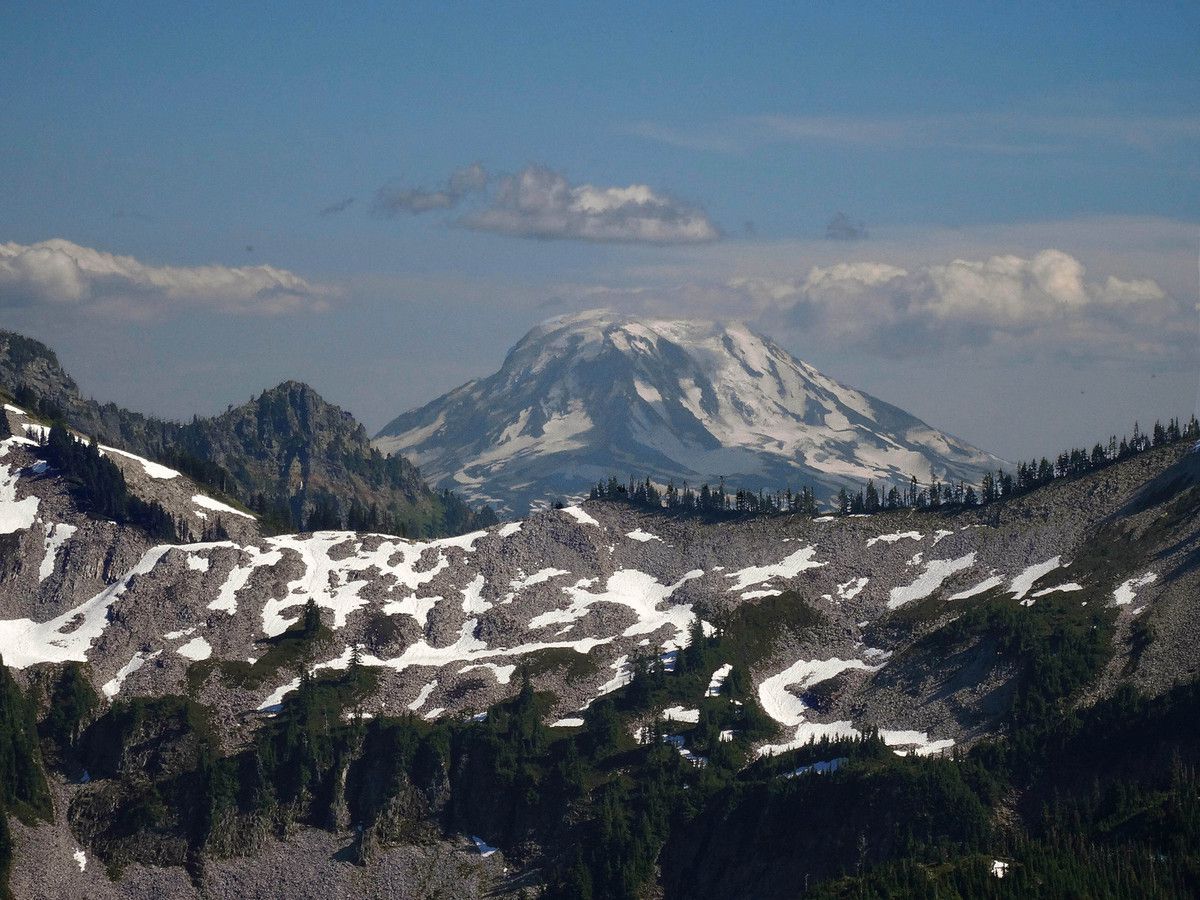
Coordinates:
[540,203]
[60,273]
[1044,299]
[1042,302]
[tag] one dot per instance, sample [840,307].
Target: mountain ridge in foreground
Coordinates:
[619,700]
[583,397]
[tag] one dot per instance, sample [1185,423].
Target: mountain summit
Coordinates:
[586,396]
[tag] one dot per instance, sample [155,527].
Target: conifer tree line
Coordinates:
[707,500]
[935,494]
[99,486]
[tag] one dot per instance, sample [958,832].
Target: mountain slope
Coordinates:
[927,625]
[584,397]
[288,454]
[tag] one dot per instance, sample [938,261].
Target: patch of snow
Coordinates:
[892,538]
[218,506]
[790,567]
[939,534]
[718,681]
[639,592]
[153,469]
[811,732]
[68,637]
[986,585]
[785,707]
[463,541]
[275,700]
[1126,592]
[424,695]
[113,686]
[176,635]
[485,849]
[542,575]
[503,674]
[852,588]
[569,722]
[1069,586]
[755,595]
[679,714]
[15,515]
[999,868]
[473,602]
[56,536]
[624,675]
[196,649]
[418,608]
[638,535]
[434,713]
[509,530]
[1022,583]
[915,742]
[936,572]
[819,768]
[239,575]
[80,858]
[579,515]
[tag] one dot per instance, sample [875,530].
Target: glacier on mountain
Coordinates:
[584,397]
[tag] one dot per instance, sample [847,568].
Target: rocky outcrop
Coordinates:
[287,453]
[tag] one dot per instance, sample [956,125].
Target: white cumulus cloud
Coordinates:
[1042,299]
[60,273]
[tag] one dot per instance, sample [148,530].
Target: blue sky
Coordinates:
[188,137]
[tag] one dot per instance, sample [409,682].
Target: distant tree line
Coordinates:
[705,501]
[873,498]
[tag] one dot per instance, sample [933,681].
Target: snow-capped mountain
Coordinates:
[587,396]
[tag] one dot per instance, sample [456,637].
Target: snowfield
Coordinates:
[936,572]
[1127,591]
[790,567]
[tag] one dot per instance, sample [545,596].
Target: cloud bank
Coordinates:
[1043,303]
[59,273]
[1043,300]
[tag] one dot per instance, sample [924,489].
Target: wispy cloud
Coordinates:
[997,133]
[392,200]
[842,228]
[540,203]
[58,273]
[334,208]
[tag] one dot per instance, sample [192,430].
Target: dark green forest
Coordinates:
[1099,802]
